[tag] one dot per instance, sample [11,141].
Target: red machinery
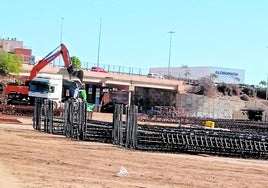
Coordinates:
[18,92]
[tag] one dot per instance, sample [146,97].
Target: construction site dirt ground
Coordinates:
[29,158]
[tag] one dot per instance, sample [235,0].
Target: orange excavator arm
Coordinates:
[50,57]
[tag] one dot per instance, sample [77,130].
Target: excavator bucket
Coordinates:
[79,74]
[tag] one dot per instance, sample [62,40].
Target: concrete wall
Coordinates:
[211,107]
[198,105]
[191,104]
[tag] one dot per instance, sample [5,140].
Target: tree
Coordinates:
[263,83]
[10,63]
[236,79]
[213,76]
[186,71]
[207,87]
[76,62]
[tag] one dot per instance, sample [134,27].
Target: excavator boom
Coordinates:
[49,58]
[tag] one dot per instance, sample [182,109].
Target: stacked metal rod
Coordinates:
[242,125]
[202,140]
[98,131]
[73,124]
[74,118]
[229,138]
[44,118]
[168,114]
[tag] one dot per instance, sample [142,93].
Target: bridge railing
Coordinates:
[118,69]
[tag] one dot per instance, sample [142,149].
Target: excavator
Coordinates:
[18,93]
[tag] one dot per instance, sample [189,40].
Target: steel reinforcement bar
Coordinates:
[98,131]
[246,140]
[235,125]
[205,141]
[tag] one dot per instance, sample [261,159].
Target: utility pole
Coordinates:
[61,27]
[98,60]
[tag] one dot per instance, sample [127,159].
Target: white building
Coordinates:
[223,75]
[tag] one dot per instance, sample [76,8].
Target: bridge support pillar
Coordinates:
[131,89]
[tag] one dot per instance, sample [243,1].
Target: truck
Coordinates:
[18,93]
[54,87]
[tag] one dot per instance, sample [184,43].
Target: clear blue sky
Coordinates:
[223,33]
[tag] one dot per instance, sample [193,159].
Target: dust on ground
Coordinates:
[30,158]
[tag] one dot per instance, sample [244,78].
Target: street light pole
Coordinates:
[169,55]
[61,27]
[99,44]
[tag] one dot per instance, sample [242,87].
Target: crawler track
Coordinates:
[16,110]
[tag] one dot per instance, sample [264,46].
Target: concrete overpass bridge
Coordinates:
[115,80]
[121,81]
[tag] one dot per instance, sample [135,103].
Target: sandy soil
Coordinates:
[29,158]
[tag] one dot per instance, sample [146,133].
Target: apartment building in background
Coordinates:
[12,45]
